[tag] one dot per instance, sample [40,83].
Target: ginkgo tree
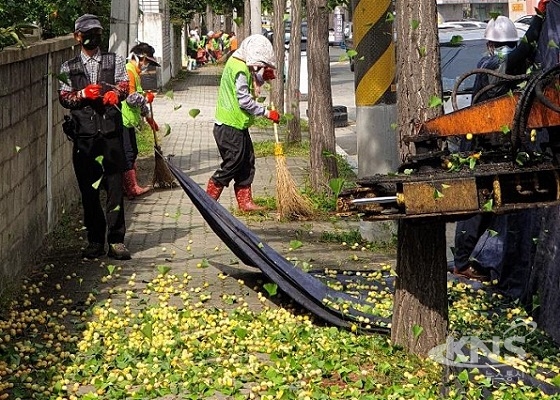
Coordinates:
[420,313]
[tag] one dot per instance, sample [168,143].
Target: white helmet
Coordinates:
[501,29]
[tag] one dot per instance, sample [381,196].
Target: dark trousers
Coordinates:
[467,233]
[238,156]
[130,148]
[92,175]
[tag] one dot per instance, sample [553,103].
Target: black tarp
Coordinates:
[302,287]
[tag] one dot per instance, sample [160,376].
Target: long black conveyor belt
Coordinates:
[305,289]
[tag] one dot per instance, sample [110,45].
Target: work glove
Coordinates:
[135,100]
[273,115]
[268,74]
[150,97]
[152,124]
[91,91]
[111,98]
[541,7]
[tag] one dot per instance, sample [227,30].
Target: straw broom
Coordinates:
[290,203]
[162,178]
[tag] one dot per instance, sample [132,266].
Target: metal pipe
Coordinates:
[372,200]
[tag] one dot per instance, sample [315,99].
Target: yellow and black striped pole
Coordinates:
[374,66]
[374,82]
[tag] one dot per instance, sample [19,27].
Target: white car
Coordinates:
[522,24]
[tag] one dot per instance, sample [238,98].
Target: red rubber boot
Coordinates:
[130,185]
[244,198]
[214,189]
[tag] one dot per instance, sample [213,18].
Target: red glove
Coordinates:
[269,74]
[91,91]
[541,7]
[111,98]
[150,96]
[152,123]
[274,116]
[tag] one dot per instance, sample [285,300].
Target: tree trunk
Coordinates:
[420,307]
[209,18]
[321,124]
[228,23]
[277,94]
[294,68]
[421,287]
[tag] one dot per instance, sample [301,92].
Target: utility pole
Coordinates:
[124,26]
[256,20]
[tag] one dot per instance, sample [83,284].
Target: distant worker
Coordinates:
[232,42]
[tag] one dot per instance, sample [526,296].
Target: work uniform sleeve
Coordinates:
[68,96]
[524,53]
[121,77]
[246,101]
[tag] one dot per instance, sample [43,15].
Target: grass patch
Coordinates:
[265,148]
[145,140]
[354,240]
[265,123]
[324,202]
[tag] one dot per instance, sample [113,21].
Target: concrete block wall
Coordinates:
[37,181]
[154,27]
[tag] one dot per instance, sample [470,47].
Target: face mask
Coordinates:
[503,51]
[91,41]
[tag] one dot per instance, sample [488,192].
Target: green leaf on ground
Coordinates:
[163,269]
[271,289]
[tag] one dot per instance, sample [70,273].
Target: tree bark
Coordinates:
[209,18]
[277,94]
[321,124]
[421,285]
[294,69]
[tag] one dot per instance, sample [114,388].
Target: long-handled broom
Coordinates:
[290,203]
[163,178]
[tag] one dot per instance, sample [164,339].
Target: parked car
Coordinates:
[288,31]
[457,56]
[523,22]
[269,33]
[463,24]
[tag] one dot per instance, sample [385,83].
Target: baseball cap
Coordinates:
[87,22]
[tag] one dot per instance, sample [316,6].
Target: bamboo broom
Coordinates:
[162,178]
[290,203]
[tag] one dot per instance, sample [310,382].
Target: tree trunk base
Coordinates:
[420,310]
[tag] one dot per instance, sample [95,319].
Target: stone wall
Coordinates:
[37,182]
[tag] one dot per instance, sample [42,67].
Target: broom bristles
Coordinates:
[290,203]
[163,178]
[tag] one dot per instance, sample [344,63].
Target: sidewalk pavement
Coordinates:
[164,227]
